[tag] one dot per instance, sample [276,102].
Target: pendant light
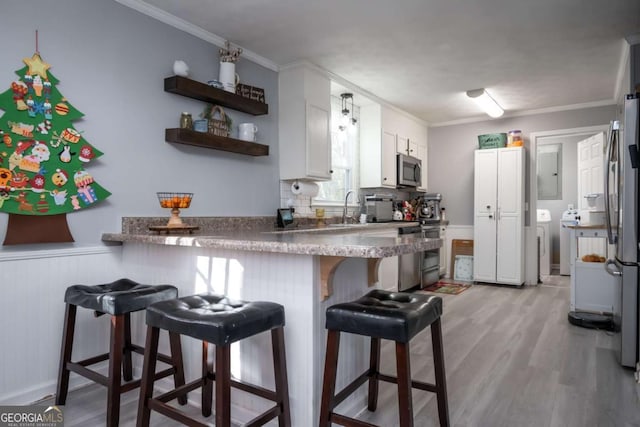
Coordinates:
[346,97]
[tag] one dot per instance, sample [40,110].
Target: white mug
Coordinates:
[247,132]
[228,76]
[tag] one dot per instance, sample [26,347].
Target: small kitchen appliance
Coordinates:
[379,208]
[430,209]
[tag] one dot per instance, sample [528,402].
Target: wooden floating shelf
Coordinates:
[208,140]
[203,92]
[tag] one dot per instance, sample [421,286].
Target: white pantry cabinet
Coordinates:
[498,232]
[384,133]
[304,98]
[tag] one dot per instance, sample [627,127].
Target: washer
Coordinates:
[544,240]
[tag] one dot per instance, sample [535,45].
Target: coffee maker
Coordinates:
[430,210]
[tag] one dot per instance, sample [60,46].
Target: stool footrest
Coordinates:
[174,413]
[347,421]
[265,417]
[180,391]
[415,384]
[159,403]
[345,392]
[104,380]
[93,360]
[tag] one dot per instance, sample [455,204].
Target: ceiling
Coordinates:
[423,55]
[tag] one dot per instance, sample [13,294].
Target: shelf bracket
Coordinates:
[328,266]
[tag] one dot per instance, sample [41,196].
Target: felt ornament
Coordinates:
[37,66]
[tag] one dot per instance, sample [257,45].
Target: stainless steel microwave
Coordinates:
[409,171]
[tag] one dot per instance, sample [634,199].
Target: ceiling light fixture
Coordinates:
[486,102]
[346,97]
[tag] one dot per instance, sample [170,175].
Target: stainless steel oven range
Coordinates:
[419,269]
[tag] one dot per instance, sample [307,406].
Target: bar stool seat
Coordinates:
[118,299]
[218,320]
[395,316]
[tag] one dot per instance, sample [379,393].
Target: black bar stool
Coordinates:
[215,319]
[394,316]
[118,299]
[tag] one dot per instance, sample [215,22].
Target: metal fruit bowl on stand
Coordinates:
[175,202]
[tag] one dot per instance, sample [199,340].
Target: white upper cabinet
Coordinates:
[384,133]
[304,115]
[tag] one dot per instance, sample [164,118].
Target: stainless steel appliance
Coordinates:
[409,171]
[378,208]
[410,265]
[430,209]
[421,268]
[621,213]
[430,269]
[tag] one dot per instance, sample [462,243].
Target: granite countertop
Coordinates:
[257,234]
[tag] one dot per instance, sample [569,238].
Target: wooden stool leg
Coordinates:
[329,381]
[207,383]
[115,366]
[178,366]
[405,404]
[148,376]
[374,369]
[127,367]
[65,354]
[441,380]
[223,385]
[280,370]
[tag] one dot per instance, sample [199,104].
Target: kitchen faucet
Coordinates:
[344,211]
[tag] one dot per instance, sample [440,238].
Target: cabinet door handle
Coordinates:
[384,179]
[331,171]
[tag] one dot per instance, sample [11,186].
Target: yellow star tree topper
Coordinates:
[37,65]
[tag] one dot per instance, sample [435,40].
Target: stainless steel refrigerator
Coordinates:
[621,210]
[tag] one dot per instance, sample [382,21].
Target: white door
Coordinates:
[484,230]
[509,258]
[590,180]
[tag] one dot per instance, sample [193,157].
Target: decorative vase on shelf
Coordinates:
[228,59]
[228,76]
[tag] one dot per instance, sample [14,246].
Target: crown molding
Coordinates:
[476,119]
[194,30]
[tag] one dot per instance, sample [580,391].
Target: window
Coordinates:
[345,138]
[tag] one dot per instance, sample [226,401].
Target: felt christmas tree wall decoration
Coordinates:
[42,157]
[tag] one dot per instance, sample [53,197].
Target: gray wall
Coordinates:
[111,62]
[451,151]
[569,187]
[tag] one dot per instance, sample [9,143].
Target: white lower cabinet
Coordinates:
[498,232]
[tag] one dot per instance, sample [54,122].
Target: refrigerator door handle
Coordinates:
[607,267]
[607,164]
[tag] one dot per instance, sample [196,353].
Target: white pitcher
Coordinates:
[228,76]
[247,132]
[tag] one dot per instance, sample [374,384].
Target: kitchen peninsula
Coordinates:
[305,270]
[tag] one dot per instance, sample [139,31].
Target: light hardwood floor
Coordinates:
[512,359]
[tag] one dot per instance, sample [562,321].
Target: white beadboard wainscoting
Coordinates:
[290,280]
[33,281]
